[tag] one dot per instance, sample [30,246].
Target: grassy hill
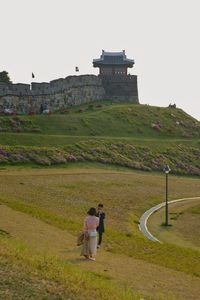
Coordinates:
[110,120]
[135,136]
[95,153]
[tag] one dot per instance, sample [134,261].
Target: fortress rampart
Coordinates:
[64,92]
[121,88]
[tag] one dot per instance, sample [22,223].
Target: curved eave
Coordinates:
[101,64]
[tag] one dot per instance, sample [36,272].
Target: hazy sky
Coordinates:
[51,37]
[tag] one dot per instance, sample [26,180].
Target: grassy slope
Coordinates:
[31,245]
[115,131]
[62,198]
[119,120]
[126,196]
[117,134]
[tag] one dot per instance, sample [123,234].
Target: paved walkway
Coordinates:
[144,218]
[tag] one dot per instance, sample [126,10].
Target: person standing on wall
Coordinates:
[100,228]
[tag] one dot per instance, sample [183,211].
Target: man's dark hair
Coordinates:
[100,205]
[92,211]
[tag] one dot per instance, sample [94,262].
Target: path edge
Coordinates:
[144,218]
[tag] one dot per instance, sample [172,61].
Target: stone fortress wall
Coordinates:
[121,88]
[64,92]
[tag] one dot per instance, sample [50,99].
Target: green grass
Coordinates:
[184,221]
[116,134]
[126,196]
[183,159]
[69,282]
[195,210]
[42,214]
[118,120]
[130,243]
[50,140]
[98,148]
[59,198]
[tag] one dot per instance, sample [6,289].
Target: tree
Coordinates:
[4,77]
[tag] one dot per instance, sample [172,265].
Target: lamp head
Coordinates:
[166,169]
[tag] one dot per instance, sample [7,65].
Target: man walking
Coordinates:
[100,228]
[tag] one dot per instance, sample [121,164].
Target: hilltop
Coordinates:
[112,120]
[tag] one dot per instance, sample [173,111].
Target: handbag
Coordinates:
[80,239]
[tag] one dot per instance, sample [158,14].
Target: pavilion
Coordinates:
[113,63]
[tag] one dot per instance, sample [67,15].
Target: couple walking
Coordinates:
[93,226]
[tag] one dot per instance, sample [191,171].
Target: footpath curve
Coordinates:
[144,218]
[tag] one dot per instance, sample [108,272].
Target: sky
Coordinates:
[51,37]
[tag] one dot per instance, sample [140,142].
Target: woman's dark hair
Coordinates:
[100,205]
[92,211]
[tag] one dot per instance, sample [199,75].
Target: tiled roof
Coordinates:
[113,58]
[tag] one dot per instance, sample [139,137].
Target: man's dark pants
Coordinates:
[100,238]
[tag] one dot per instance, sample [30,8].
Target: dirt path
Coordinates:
[149,278]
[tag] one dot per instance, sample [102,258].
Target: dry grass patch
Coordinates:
[58,278]
[114,269]
[62,197]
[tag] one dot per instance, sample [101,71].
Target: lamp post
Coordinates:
[166,171]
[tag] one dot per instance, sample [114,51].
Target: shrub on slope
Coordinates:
[182,159]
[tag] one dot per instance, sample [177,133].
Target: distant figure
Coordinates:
[91,222]
[46,111]
[100,228]
[172,105]
[41,108]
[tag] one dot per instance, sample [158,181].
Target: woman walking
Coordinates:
[90,234]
